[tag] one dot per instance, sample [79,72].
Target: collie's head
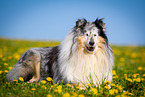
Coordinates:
[90,36]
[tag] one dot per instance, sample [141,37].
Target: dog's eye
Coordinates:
[94,34]
[87,35]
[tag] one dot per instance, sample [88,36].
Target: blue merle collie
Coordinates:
[84,56]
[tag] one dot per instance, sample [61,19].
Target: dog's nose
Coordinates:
[91,43]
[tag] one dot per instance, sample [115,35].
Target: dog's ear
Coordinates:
[81,23]
[100,24]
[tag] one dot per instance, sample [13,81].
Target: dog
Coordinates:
[84,56]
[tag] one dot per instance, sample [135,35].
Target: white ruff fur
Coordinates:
[76,65]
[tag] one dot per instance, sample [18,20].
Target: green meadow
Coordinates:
[128,74]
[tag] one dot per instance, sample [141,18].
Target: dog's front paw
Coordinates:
[33,80]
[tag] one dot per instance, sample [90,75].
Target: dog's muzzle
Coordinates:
[91,46]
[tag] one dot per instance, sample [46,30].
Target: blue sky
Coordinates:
[53,19]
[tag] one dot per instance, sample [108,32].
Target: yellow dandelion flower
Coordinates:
[15,80]
[122,59]
[59,87]
[59,91]
[81,95]
[1,55]
[134,80]
[33,89]
[78,88]
[113,72]
[66,95]
[43,81]
[21,79]
[106,87]
[30,92]
[125,75]
[130,94]
[10,57]
[113,85]
[3,59]
[119,87]
[17,56]
[117,96]
[48,95]
[140,68]
[10,68]
[108,82]
[6,71]
[5,64]
[138,79]
[111,92]
[137,74]
[55,90]
[44,87]
[114,77]
[89,85]
[115,90]
[51,86]
[49,79]
[55,84]
[68,85]
[134,55]
[74,94]
[143,75]
[134,75]
[1,72]
[129,79]
[94,90]
[127,93]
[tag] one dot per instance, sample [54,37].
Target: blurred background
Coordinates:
[53,19]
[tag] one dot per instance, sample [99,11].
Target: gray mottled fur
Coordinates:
[26,64]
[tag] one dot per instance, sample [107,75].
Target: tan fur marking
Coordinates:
[101,42]
[36,74]
[81,43]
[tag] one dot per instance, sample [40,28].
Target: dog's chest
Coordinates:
[86,68]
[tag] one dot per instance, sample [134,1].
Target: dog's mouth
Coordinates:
[91,49]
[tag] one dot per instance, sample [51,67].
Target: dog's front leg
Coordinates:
[36,73]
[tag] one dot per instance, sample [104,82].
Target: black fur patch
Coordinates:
[53,55]
[48,61]
[100,25]
[81,23]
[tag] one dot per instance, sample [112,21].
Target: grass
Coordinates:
[128,74]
